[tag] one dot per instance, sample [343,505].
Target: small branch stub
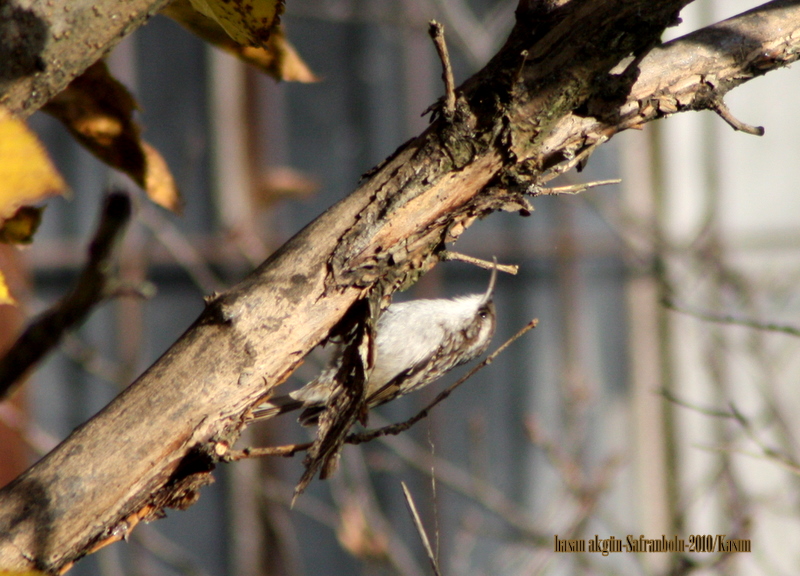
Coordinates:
[436,32]
[286,451]
[572,188]
[447,255]
[724,112]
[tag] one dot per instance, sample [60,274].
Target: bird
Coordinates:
[416,343]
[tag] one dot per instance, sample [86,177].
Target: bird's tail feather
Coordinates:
[275,407]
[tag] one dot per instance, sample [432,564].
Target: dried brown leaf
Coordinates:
[357,535]
[159,183]
[284,182]
[98,111]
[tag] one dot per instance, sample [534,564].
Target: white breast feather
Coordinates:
[410,332]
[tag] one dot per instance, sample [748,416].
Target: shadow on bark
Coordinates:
[22,40]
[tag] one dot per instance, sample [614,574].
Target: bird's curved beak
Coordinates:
[487,297]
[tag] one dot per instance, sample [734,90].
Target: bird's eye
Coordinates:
[483,314]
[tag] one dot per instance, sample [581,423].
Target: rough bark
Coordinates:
[537,109]
[44,45]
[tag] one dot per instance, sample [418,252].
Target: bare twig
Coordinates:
[433,492]
[716,413]
[581,158]
[394,429]
[412,509]
[786,464]
[730,319]
[478,490]
[436,32]
[573,188]
[734,413]
[38,440]
[724,112]
[448,255]
[521,69]
[181,248]
[585,487]
[169,551]
[286,451]
[95,284]
[476,37]
[769,453]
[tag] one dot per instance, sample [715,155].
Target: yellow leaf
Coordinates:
[20,228]
[248,22]
[98,111]
[277,57]
[159,184]
[284,182]
[26,173]
[5,298]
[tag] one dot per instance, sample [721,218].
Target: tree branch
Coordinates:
[724,112]
[44,45]
[94,285]
[693,72]
[526,118]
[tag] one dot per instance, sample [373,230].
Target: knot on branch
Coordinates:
[183,487]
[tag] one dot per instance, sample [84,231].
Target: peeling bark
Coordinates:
[537,109]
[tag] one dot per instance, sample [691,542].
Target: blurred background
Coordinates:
[655,396]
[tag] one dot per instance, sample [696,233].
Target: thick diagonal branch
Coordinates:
[545,99]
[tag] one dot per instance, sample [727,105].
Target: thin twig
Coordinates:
[788,465]
[168,551]
[448,255]
[580,158]
[433,491]
[38,440]
[412,509]
[95,284]
[436,32]
[724,112]
[770,453]
[286,451]
[521,69]
[573,188]
[734,413]
[181,249]
[730,319]
[394,429]
[667,394]
[479,490]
